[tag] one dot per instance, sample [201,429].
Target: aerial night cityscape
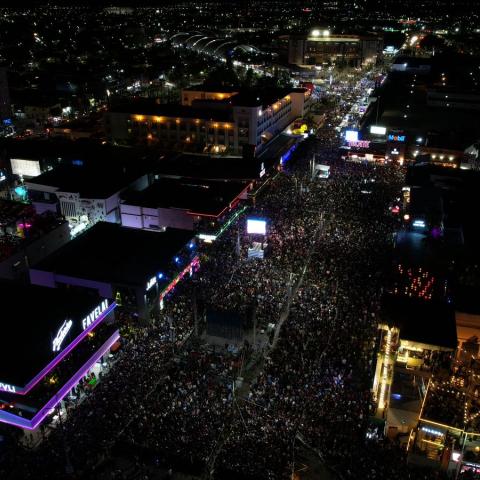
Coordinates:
[240,239]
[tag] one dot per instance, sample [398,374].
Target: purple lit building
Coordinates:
[55,345]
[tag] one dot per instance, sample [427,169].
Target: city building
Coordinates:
[188,204]
[53,352]
[250,118]
[134,267]
[87,189]
[200,92]
[26,237]
[321,47]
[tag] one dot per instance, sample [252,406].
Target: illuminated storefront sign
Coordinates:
[5,387]
[432,431]
[17,421]
[151,283]
[93,319]
[61,334]
[92,316]
[262,170]
[206,237]
[359,144]
[396,138]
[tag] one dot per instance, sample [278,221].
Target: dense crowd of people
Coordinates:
[172,401]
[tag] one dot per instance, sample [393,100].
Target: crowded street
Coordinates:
[171,403]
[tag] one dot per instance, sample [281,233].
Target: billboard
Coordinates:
[351,135]
[256,226]
[377,130]
[25,167]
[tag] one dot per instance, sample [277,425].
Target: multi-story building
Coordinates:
[321,47]
[78,188]
[210,124]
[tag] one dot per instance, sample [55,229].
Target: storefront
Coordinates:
[55,351]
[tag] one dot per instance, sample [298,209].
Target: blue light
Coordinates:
[21,191]
[160,276]
[177,259]
[419,223]
[191,245]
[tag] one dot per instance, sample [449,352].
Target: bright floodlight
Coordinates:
[256,226]
[326,33]
[315,33]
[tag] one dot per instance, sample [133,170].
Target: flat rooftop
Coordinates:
[35,315]
[428,322]
[99,175]
[212,88]
[203,197]
[262,97]
[110,253]
[149,107]
[207,167]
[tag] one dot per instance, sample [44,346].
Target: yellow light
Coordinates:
[385,368]
[149,136]
[158,119]
[215,125]
[139,118]
[177,121]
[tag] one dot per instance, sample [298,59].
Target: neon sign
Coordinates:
[359,143]
[92,316]
[15,420]
[151,283]
[396,138]
[194,264]
[5,387]
[61,334]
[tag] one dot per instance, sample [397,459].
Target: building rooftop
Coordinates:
[110,253]
[261,97]
[87,173]
[212,88]
[422,321]
[148,107]
[207,167]
[36,314]
[202,197]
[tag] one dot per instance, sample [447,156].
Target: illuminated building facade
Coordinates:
[189,204]
[53,352]
[130,266]
[322,47]
[206,123]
